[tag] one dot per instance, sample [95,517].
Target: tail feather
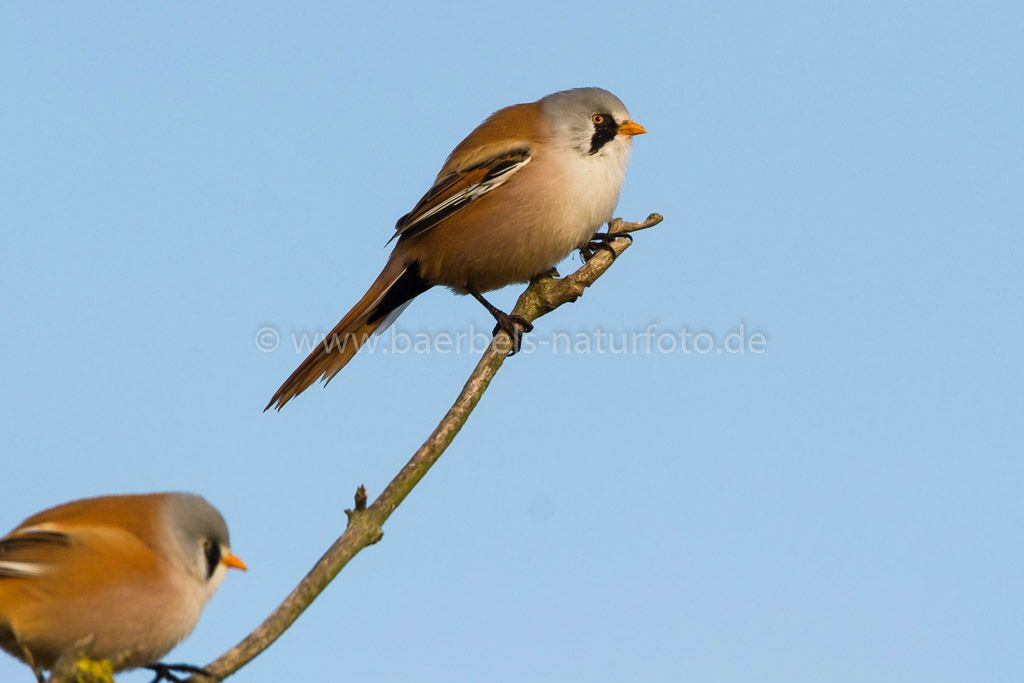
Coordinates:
[389,294]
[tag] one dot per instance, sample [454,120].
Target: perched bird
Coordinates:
[528,186]
[122,577]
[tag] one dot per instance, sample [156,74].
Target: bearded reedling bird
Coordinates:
[123,577]
[531,184]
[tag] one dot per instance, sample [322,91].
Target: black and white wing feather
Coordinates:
[28,552]
[456,190]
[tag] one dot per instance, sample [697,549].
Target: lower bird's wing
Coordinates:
[27,553]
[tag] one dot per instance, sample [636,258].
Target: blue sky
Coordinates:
[843,178]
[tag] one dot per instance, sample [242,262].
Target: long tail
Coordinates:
[393,289]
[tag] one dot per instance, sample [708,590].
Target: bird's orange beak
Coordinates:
[233,562]
[631,128]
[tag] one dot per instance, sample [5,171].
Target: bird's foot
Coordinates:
[515,325]
[601,240]
[31,661]
[169,672]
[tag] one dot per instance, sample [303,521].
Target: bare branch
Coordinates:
[365,524]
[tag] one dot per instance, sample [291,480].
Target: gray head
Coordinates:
[201,535]
[592,121]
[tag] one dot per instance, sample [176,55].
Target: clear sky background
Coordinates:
[845,178]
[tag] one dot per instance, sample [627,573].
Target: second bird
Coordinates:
[528,186]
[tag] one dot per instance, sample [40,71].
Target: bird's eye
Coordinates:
[598,119]
[212,552]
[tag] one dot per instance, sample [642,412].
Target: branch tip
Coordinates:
[618,226]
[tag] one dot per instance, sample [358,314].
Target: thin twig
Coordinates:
[365,524]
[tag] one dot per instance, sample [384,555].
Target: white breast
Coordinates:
[592,187]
